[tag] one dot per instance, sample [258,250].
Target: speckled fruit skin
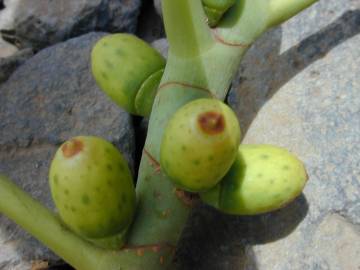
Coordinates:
[121,63]
[263,178]
[196,159]
[92,187]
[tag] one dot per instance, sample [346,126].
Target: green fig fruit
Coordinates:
[92,187]
[263,178]
[200,144]
[122,64]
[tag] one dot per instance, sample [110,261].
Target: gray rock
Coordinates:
[6,49]
[49,99]
[147,17]
[162,46]
[157,5]
[40,23]
[9,64]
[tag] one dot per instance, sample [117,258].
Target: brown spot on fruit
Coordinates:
[211,123]
[72,147]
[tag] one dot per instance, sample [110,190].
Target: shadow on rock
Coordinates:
[215,241]
[267,70]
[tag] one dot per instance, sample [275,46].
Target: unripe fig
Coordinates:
[263,178]
[92,187]
[200,144]
[122,64]
[215,9]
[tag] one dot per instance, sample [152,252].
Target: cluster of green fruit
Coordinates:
[91,183]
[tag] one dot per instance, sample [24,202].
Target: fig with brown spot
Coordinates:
[79,176]
[200,144]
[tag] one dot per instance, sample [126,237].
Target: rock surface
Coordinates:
[47,100]
[40,23]
[9,64]
[149,17]
[6,49]
[157,5]
[297,87]
[162,46]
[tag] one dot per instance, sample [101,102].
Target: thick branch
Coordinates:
[248,19]
[244,22]
[40,222]
[282,10]
[186,27]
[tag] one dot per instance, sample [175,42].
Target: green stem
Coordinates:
[282,10]
[245,21]
[186,28]
[39,221]
[248,19]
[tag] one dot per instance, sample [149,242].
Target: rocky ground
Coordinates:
[298,87]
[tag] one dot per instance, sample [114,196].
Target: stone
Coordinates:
[157,5]
[7,10]
[162,46]
[47,100]
[40,23]
[341,253]
[6,49]
[149,16]
[9,64]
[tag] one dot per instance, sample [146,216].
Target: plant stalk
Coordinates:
[39,221]
[192,35]
[282,10]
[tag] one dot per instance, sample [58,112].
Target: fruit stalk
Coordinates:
[39,221]
[201,64]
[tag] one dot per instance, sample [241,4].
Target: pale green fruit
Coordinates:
[122,65]
[200,144]
[92,187]
[263,178]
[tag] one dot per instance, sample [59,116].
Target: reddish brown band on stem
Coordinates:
[221,40]
[189,199]
[151,247]
[72,147]
[211,123]
[153,161]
